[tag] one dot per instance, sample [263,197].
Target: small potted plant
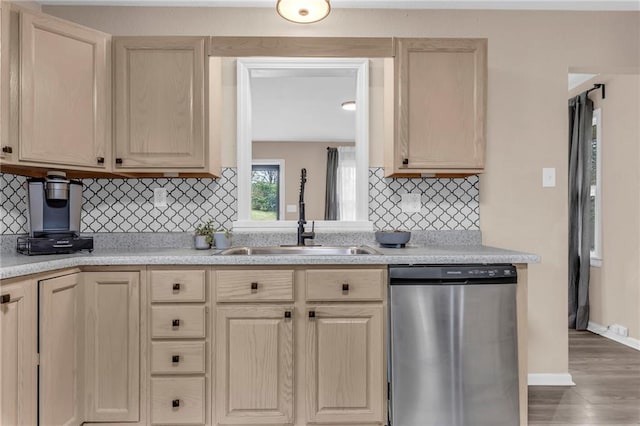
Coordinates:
[204,235]
[222,237]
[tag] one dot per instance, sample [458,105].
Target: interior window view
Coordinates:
[266,191]
[319,212]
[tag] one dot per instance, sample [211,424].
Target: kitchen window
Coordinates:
[595,199]
[267,189]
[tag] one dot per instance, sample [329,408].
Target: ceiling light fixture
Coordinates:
[303,11]
[349,105]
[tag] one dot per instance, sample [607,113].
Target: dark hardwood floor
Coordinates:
[607,391]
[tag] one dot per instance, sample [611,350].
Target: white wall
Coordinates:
[530,54]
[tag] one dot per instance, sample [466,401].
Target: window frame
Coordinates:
[596,253]
[281,181]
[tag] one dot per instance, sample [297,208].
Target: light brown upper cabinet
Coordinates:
[439,107]
[4,82]
[160,104]
[64,93]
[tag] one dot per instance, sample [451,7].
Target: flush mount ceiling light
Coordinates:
[303,11]
[349,105]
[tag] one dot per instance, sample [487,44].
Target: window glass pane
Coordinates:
[594,155]
[592,218]
[265,192]
[594,193]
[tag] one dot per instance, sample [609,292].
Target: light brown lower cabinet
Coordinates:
[272,362]
[318,359]
[254,365]
[61,351]
[178,401]
[179,346]
[112,346]
[18,352]
[89,354]
[345,371]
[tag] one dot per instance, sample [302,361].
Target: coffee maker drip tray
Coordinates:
[54,244]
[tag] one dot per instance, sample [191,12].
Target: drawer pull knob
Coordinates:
[405,161]
[7,149]
[345,287]
[287,314]
[118,160]
[100,160]
[176,286]
[175,359]
[254,286]
[175,403]
[312,314]
[6,298]
[175,323]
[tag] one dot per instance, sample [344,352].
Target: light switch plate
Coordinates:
[548,177]
[410,203]
[159,197]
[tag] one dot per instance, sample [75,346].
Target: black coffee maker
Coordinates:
[54,205]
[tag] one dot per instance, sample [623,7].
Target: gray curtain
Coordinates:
[580,140]
[331,194]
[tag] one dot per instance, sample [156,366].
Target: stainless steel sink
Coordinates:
[299,250]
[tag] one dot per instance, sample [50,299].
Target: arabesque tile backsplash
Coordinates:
[126,205]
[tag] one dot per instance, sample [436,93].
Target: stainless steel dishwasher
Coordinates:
[453,345]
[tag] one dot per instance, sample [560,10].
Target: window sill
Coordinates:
[596,262]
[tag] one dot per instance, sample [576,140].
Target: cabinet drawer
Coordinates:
[177,357]
[177,401]
[178,321]
[345,284]
[254,286]
[177,286]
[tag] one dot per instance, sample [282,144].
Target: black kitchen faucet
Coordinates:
[302,234]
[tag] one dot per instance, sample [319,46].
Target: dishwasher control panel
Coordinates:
[443,273]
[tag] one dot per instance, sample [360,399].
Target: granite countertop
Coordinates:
[14,264]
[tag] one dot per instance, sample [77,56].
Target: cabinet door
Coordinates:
[61,333]
[254,365]
[112,346]
[64,101]
[440,105]
[160,102]
[18,346]
[4,80]
[344,364]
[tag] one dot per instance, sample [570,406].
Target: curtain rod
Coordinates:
[596,87]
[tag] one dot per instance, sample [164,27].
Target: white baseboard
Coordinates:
[604,332]
[564,379]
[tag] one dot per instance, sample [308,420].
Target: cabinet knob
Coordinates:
[176,286]
[254,286]
[345,287]
[175,403]
[175,359]
[118,160]
[100,160]
[7,149]
[287,314]
[175,323]
[312,314]
[405,161]
[5,298]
